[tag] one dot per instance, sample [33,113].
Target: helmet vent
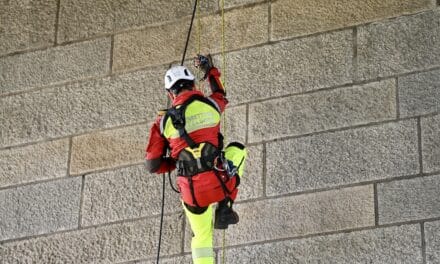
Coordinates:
[169,78]
[186,72]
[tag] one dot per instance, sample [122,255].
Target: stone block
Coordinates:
[33,163]
[408,200]
[84,19]
[81,107]
[237,3]
[340,158]
[304,114]
[105,244]
[301,215]
[108,149]
[397,46]
[296,18]
[154,45]
[39,209]
[431,143]
[27,25]
[123,194]
[56,65]
[150,46]
[243,28]
[290,67]
[392,245]
[432,236]
[251,184]
[419,93]
[235,121]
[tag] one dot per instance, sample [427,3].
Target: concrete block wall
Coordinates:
[338,102]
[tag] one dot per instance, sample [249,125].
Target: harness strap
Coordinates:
[188,168]
[225,189]
[183,134]
[178,119]
[191,187]
[177,116]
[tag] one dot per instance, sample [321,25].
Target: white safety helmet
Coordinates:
[175,74]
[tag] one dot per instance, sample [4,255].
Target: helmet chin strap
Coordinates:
[171,95]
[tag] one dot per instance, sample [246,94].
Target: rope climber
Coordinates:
[187,137]
[206,174]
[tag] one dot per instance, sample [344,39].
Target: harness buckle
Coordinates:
[196,152]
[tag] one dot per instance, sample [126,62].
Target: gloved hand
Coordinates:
[204,63]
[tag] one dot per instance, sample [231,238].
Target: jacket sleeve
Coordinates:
[217,89]
[155,159]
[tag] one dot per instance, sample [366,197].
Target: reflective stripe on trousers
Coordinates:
[201,243]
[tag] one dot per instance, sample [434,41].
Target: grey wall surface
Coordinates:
[338,102]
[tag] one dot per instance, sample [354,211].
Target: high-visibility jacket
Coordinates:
[202,123]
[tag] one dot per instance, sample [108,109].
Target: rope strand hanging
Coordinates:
[161,218]
[169,173]
[201,85]
[189,32]
[223,49]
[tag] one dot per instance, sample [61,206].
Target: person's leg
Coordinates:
[224,215]
[237,153]
[200,220]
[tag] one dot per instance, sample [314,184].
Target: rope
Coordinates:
[163,201]
[199,30]
[171,183]
[223,51]
[161,218]
[223,247]
[189,31]
[224,115]
[199,48]
[169,173]
[223,43]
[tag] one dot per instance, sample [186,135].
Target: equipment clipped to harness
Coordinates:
[221,164]
[230,163]
[192,161]
[236,153]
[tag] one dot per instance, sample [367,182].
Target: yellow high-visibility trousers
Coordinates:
[202,225]
[201,243]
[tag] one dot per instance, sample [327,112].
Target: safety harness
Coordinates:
[198,158]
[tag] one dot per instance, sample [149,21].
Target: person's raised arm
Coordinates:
[212,74]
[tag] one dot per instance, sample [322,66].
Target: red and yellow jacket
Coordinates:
[203,125]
